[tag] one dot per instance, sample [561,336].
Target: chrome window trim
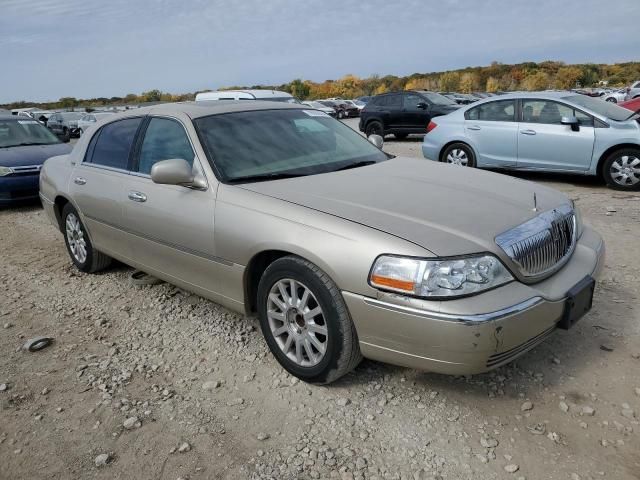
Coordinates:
[451,317]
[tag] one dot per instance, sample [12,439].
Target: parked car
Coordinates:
[633,91]
[254,94]
[24,146]
[355,103]
[364,99]
[555,131]
[340,249]
[615,96]
[403,113]
[322,107]
[633,105]
[90,119]
[65,124]
[342,109]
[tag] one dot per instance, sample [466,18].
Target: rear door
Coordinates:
[171,227]
[98,185]
[545,144]
[493,130]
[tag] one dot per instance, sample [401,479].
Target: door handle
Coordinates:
[474,127]
[137,196]
[528,132]
[79,181]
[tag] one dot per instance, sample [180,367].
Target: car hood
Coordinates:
[446,209]
[31,154]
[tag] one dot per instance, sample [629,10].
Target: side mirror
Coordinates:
[423,106]
[176,172]
[571,121]
[377,140]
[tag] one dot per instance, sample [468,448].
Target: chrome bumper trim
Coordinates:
[475,319]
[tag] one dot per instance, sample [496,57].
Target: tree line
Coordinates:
[496,77]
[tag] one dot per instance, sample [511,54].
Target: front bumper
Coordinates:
[17,188]
[473,334]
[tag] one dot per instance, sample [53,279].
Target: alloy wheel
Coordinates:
[75,237]
[625,170]
[458,156]
[297,322]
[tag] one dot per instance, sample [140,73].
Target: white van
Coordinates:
[271,95]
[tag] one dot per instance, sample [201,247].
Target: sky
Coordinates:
[102,48]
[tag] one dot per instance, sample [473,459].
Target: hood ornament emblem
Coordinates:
[535,202]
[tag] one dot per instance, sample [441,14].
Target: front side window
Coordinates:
[113,143]
[164,139]
[412,100]
[259,145]
[499,111]
[545,111]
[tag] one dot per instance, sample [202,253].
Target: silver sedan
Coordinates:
[341,250]
[549,131]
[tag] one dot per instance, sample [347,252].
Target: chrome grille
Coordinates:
[542,244]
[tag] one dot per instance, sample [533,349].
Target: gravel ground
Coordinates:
[157,383]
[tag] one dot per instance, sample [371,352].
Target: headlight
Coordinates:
[449,277]
[4,171]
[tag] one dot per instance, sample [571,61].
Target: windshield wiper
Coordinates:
[25,144]
[363,163]
[634,113]
[266,176]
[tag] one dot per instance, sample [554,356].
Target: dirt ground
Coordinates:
[156,383]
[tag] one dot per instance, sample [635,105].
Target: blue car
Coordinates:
[544,131]
[24,146]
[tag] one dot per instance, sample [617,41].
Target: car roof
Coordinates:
[543,95]
[204,108]
[5,117]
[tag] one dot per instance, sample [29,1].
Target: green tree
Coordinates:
[151,96]
[537,81]
[68,102]
[567,77]
[492,85]
[299,89]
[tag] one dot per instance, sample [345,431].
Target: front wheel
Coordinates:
[79,246]
[621,170]
[305,321]
[459,154]
[612,100]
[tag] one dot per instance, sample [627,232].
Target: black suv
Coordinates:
[402,113]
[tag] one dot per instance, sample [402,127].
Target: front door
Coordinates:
[492,129]
[171,227]
[97,185]
[545,144]
[415,110]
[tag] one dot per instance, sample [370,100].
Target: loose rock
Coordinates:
[102,459]
[511,468]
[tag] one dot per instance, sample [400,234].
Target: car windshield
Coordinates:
[267,144]
[437,99]
[316,105]
[596,105]
[72,115]
[15,133]
[280,99]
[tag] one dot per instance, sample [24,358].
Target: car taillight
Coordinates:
[431,126]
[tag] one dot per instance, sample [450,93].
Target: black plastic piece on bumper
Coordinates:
[578,303]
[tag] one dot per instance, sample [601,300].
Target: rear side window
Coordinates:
[164,139]
[500,111]
[113,144]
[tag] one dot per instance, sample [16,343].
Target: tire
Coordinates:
[374,127]
[277,314]
[340,114]
[66,136]
[83,255]
[624,159]
[80,133]
[612,100]
[459,154]
[401,136]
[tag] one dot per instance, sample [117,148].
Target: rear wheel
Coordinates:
[612,100]
[621,169]
[79,246]
[305,321]
[374,128]
[459,154]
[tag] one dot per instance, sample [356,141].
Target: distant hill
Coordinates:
[491,78]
